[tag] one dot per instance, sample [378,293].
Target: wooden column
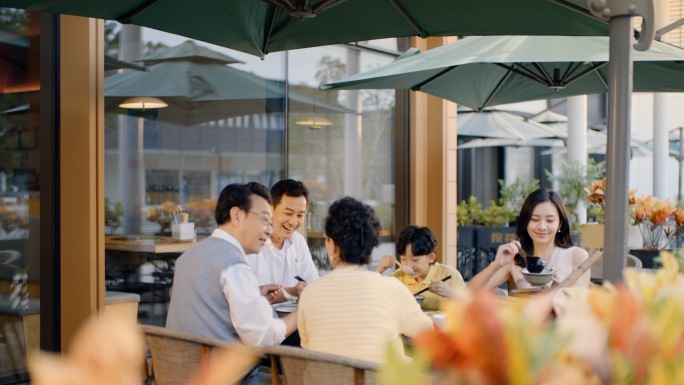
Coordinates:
[81,171]
[433,163]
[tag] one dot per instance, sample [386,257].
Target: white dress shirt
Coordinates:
[280,266]
[250,312]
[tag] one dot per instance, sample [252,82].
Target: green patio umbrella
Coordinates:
[483,71]
[596,144]
[502,125]
[262,26]
[111,64]
[199,86]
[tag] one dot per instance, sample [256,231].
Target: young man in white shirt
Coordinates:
[285,259]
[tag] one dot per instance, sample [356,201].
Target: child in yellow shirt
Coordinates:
[416,249]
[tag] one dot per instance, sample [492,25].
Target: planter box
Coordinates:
[592,236]
[465,261]
[488,240]
[592,239]
[477,247]
[647,257]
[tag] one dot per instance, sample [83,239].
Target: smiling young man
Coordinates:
[286,254]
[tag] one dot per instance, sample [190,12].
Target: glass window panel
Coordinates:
[19,191]
[344,145]
[223,123]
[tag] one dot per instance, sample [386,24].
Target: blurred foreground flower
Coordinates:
[104,351]
[111,351]
[627,335]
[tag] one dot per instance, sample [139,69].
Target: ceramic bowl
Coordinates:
[538,279]
[419,299]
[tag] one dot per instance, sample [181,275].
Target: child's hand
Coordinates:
[386,262]
[441,289]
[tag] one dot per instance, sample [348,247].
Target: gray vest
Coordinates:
[198,304]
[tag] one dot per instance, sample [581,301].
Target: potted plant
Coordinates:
[513,195]
[659,224]
[572,181]
[112,214]
[592,233]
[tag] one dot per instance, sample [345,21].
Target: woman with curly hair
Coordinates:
[352,311]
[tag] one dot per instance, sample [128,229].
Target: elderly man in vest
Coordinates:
[215,292]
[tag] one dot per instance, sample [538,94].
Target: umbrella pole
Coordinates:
[617,161]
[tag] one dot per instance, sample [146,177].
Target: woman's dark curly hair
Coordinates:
[538,196]
[354,228]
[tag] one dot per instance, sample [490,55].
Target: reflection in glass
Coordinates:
[19,191]
[226,122]
[353,155]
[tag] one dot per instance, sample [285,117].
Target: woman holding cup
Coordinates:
[544,231]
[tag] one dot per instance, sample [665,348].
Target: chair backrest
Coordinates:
[177,356]
[633,261]
[307,367]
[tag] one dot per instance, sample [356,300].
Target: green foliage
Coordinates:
[14,20]
[151,47]
[112,34]
[497,215]
[113,214]
[597,212]
[330,70]
[572,180]
[513,195]
[468,212]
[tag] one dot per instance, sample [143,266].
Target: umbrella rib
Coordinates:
[605,84]
[269,29]
[127,18]
[496,89]
[570,70]
[523,71]
[420,85]
[542,71]
[409,19]
[593,67]
[282,4]
[324,5]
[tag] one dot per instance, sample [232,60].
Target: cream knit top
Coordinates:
[356,313]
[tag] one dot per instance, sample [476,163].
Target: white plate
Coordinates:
[286,308]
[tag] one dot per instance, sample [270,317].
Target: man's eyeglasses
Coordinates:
[266,221]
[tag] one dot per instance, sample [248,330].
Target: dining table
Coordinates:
[144,265]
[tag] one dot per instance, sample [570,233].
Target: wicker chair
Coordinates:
[177,356]
[307,367]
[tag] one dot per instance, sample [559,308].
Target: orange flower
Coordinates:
[679,217]
[596,193]
[444,350]
[632,196]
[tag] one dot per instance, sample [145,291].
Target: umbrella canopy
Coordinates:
[503,125]
[596,144]
[204,88]
[501,142]
[262,26]
[111,64]
[489,70]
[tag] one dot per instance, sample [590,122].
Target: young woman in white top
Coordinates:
[544,231]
